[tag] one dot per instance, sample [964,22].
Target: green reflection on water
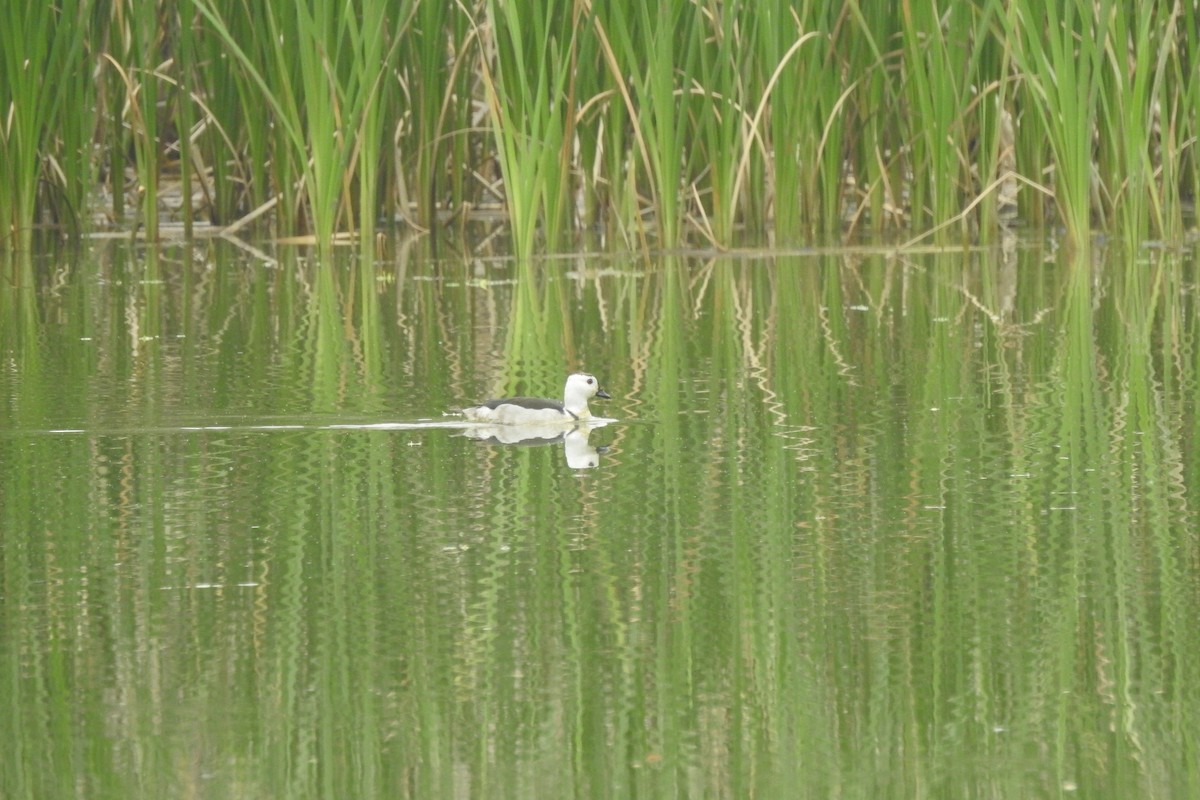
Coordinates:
[867,527]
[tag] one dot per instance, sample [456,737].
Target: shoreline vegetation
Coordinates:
[686,122]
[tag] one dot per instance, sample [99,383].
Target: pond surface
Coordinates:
[865,526]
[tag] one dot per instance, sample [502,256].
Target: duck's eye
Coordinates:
[589,381]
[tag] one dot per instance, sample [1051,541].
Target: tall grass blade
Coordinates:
[1060,49]
[45,114]
[681,121]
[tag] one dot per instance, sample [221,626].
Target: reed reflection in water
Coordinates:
[863,526]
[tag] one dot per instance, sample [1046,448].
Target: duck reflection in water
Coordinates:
[579,452]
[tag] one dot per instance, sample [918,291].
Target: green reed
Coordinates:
[936,87]
[719,120]
[427,113]
[532,111]
[600,130]
[1125,121]
[304,78]
[656,46]
[687,120]
[372,56]
[45,117]
[1182,97]
[185,112]
[805,127]
[261,78]
[133,54]
[320,73]
[228,155]
[665,102]
[1059,51]
[859,47]
[1140,124]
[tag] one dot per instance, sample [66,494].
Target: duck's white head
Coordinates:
[580,388]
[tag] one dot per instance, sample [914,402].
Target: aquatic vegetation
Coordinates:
[686,121]
[45,166]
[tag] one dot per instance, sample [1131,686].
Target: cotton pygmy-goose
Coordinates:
[580,388]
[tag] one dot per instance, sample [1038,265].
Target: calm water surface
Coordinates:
[865,527]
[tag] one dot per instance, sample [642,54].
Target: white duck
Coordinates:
[580,388]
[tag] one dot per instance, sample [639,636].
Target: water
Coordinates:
[865,526]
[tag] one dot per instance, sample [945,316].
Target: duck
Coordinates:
[580,387]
